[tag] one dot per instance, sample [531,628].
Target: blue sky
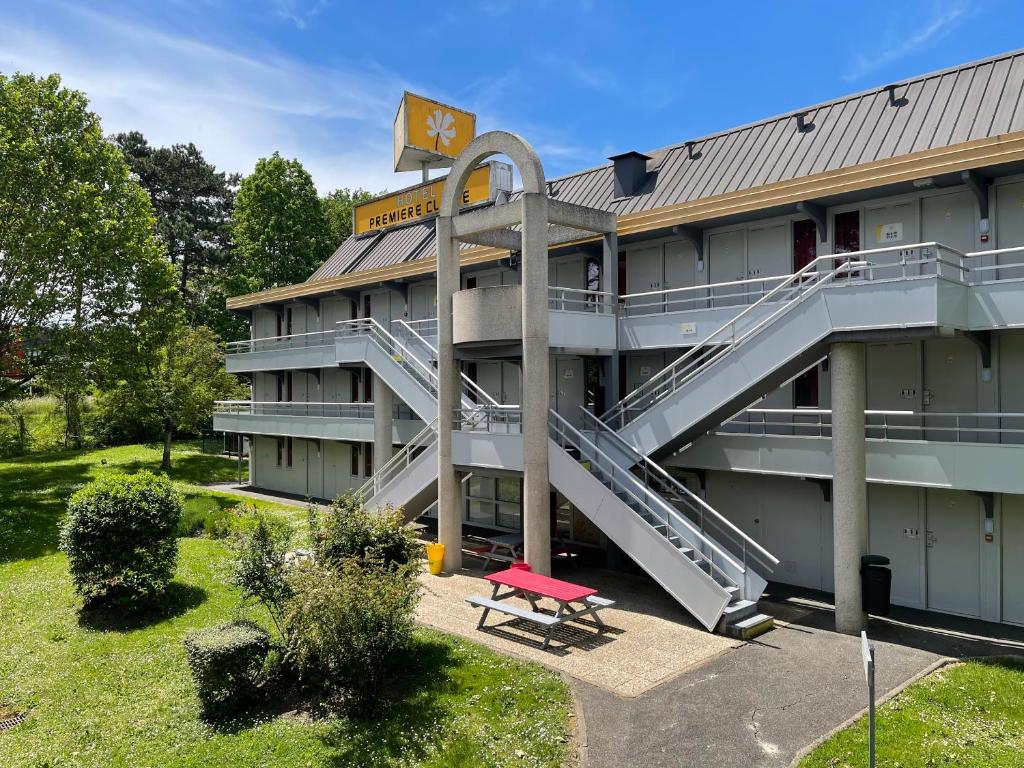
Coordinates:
[320,79]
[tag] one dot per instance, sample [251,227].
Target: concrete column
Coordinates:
[383,422]
[536,489]
[849,484]
[449,486]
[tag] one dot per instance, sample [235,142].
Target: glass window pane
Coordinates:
[509,516]
[481,487]
[508,489]
[480,512]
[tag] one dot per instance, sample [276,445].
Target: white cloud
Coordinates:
[902,40]
[235,106]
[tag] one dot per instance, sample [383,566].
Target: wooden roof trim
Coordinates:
[979,153]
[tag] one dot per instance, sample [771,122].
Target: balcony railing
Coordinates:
[496,419]
[994,428]
[319,410]
[890,262]
[580,300]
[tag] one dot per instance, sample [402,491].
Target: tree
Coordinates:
[82,277]
[280,228]
[173,390]
[193,203]
[338,207]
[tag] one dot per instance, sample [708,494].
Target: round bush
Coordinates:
[119,536]
[226,661]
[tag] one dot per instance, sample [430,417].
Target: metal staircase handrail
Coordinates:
[373,326]
[807,276]
[652,468]
[562,428]
[804,282]
[467,382]
[422,439]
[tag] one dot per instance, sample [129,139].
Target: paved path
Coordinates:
[762,703]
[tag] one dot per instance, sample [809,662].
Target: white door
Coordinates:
[893,384]
[1013,558]
[892,225]
[644,274]
[488,376]
[510,383]
[950,386]
[949,219]
[567,389]
[954,557]
[896,530]
[769,253]
[727,262]
[422,301]
[1010,227]
[681,272]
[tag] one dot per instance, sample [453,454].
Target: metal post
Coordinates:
[868,657]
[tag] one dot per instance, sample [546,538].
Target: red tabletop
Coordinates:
[545,586]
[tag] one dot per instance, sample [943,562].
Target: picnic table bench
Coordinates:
[533,586]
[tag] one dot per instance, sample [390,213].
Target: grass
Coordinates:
[967,715]
[109,693]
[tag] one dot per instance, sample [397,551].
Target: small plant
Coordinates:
[119,536]
[226,661]
[349,530]
[348,628]
[259,566]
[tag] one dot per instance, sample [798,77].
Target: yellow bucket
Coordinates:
[435,557]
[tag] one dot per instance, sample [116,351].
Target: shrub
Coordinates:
[226,661]
[348,530]
[348,627]
[119,538]
[259,567]
[204,516]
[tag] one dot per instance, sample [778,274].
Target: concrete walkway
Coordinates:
[761,704]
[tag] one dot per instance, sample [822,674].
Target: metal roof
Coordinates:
[972,101]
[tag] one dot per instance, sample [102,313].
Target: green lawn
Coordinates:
[969,715]
[121,695]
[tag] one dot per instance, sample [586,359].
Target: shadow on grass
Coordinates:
[410,722]
[178,599]
[33,501]
[195,468]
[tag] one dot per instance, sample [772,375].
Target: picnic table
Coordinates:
[534,586]
[505,548]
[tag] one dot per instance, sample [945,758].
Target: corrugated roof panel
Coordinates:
[921,107]
[865,143]
[826,122]
[396,246]
[930,124]
[768,145]
[973,100]
[947,121]
[993,97]
[339,261]
[714,172]
[1003,119]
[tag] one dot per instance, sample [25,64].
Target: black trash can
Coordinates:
[876,584]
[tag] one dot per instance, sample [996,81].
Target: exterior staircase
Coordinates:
[779,335]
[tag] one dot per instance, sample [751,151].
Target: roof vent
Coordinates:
[802,123]
[630,173]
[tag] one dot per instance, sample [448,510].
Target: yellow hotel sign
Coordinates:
[421,202]
[430,134]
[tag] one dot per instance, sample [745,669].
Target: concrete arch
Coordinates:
[486,145]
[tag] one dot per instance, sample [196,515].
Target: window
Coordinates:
[509,489]
[280,387]
[367,306]
[288,321]
[277,324]
[368,460]
[354,390]
[847,237]
[805,389]
[288,387]
[289,456]
[354,459]
[470,282]
[368,386]
[280,451]
[494,502]
[805,243]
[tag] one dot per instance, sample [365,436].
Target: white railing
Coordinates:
[399,462]
[425,327]
[915,260]
[619,480]
[291,341]
[973,427]
[1008,265]
[702,514]
[304,408]
[496,419]
[877,264]
[580,300]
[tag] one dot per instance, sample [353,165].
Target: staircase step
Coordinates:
[738,610]
[750,627]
